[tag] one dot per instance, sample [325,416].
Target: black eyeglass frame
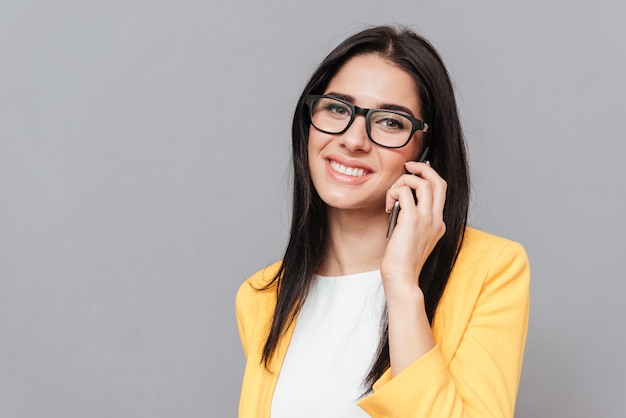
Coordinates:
[416,124]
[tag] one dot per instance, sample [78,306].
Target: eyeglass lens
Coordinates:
[386,128]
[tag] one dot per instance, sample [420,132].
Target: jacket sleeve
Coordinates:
[481,376]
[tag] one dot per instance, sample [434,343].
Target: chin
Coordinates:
[342,202]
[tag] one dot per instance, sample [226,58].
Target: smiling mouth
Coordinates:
[348,171]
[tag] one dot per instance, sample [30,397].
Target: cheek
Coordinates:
[315,145]
[392,169]
[317,142]
[312,150]
[395,159]
[312,143]
[414,148]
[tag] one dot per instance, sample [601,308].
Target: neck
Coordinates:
[356,241]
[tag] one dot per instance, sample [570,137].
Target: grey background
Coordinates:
[144,175]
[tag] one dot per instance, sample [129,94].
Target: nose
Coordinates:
[355,138]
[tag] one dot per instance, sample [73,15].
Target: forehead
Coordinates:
[372,81]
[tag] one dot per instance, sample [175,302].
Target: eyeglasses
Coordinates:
[387,128]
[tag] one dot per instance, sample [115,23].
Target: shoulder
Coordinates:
[478,243]
[254,305]
[486,262]
[482,252]
[261,278]
[487,265]
[257,287]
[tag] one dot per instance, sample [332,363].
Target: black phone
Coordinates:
[393,218]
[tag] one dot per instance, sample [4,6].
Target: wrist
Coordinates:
[404,293]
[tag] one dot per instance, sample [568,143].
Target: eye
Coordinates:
[390,121]
[336,108]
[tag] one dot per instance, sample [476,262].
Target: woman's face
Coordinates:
[349,171]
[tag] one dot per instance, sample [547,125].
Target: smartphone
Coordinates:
[393,218]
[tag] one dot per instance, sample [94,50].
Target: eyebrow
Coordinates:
[385,106]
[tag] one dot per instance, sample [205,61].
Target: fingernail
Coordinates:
[428,163]
[410,163]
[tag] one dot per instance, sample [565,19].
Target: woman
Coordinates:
[428,323]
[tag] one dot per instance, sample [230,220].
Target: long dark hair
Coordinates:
[307,240]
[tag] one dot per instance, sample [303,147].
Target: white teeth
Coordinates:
[354,172]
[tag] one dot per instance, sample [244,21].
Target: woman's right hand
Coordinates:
[419,226]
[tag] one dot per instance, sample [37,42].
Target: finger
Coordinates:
[407,180]
[415,167]
[439,197]
[424,197]
[439,185]
[407,201]
[394,194]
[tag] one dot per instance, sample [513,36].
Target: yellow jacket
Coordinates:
[479,328]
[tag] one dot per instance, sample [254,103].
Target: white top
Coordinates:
[333,345]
